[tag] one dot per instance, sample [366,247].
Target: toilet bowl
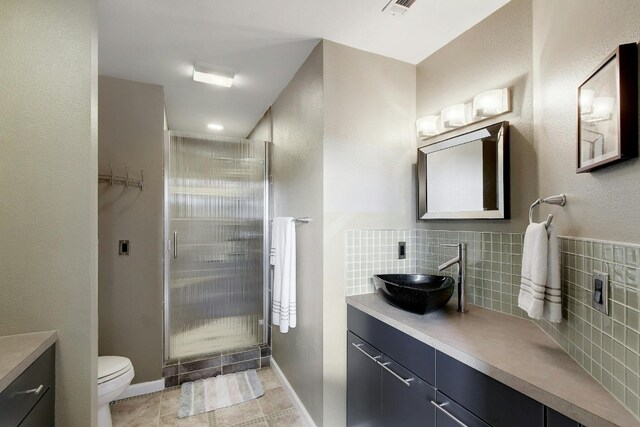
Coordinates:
[114,376]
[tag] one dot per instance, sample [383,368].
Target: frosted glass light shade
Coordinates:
[428,126]
[454,116]
[586,100]
[213,75]
[491,103]
[601,109]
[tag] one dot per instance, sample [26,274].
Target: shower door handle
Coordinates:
[175,244]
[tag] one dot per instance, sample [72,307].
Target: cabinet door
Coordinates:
[405,397]
[450,414]
[488,399]
[364,400]
[42,415]
[556,419]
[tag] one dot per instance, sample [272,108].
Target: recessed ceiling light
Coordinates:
[213,75]
[215,126]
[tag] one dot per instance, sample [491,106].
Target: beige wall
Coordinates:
[263,130]
[495,53]
[297,182]
[130,287]
[570,38]
[369,149]
[48,191]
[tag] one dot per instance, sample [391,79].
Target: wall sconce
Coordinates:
[483,106]
[490,103]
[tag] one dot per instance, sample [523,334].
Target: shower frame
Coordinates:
[168,242]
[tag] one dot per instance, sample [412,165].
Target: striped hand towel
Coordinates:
[540,294]
[534,271]
[283,259]
[553,292]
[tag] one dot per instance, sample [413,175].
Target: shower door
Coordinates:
[216,200]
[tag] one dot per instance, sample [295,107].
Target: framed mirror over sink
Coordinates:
[465,177]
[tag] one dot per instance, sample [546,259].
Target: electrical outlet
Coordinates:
[600,286]
[124,247]
[402,250]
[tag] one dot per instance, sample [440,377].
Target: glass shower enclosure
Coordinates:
[216,225]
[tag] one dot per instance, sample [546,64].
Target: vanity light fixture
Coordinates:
[490,103]
[215,126]
[484,105]
[213,75]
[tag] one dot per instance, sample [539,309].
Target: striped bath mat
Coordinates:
[218,392]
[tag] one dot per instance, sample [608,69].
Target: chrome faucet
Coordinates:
[461,260]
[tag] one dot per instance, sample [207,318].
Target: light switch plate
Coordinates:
[600,288]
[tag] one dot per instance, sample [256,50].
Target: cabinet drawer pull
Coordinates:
[406,381]
[35,391]
[440,407]
[374,358]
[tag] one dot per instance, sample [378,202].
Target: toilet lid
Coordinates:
[110,367]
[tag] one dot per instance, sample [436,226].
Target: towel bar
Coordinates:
[559,200]
[304,220]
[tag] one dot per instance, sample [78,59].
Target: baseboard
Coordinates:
[143,388]
[292,394]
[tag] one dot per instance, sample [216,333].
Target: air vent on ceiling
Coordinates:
[398,7]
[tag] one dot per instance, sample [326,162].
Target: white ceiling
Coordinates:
[264,41]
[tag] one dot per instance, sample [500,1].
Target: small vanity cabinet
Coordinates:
[395,380]
[390,375]
[29,400]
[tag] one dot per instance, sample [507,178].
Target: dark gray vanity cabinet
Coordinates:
[380,392]
[395,380]
[403,397]
[450,414]
[486,398]
[30,399]
[364,384]
[400,372]
[556,419]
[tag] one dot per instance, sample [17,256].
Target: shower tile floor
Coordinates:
[273,409]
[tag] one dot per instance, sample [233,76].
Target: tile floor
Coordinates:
[274,409]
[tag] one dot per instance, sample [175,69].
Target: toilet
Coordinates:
[114,376]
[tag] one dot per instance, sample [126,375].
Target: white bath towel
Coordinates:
[534,271]
[540,294]
[283,258]
[553,292]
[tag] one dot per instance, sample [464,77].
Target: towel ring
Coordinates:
[559,200]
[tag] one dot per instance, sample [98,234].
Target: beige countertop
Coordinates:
[17,352]
[513,351]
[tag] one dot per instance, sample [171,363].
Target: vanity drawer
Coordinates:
[495,403]
[24,392]
[414,355]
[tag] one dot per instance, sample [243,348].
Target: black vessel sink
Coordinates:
[418,293]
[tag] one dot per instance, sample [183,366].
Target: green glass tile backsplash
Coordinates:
[607,347]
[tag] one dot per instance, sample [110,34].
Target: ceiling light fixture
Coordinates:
[213,75]
[215,126]
[483,106]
